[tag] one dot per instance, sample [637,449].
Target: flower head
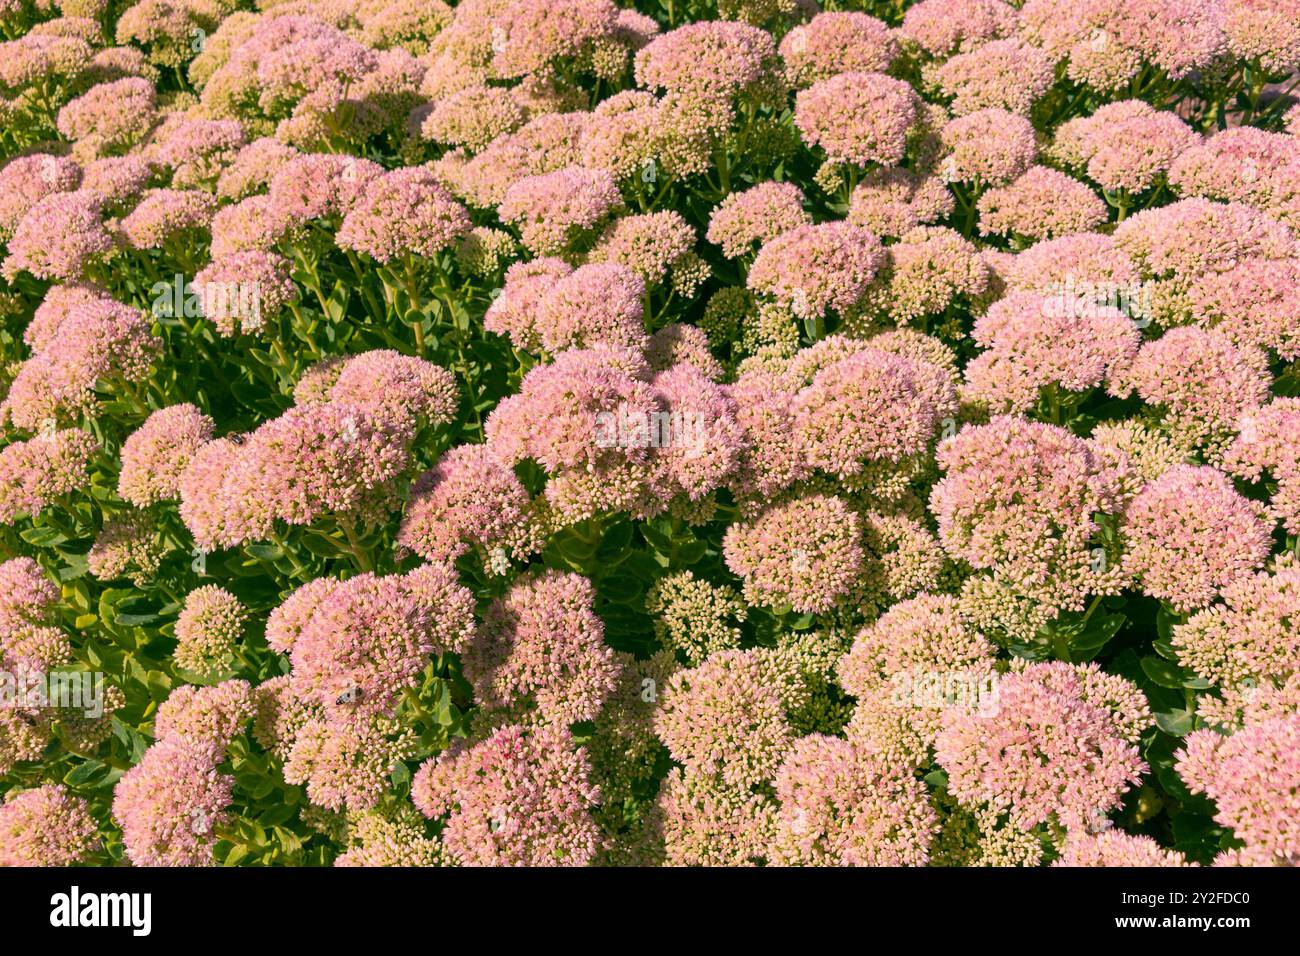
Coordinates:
[1189,534]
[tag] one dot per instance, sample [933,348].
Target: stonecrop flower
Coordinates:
[29,596]
[156,454]
[1194,236]
[554,417]
[317,185]
[214,714]
[165,215]
[58,237]
[110,117]
[944,27]
[97,343]
[815,268]
[1267,441]
[702,822]
[701,442]
[1125,145]
[170,804]
[1043,203]
[869,406]
[544,144]
[1189,534]
[600,302]
[694,616]
[773,458]
[1247,639]
[469,498]
[41,470]
[1203,382]
[361,643]
[26,180]
[252,168]
[472,117]
[891,201]
[403,212]
[858,118]
[1036,341]
[521,797]
[726,718]
[402,388]
[1263,31]
[127,546]
[930,268]
[1255,302]
[1007,74]
[991,146]
[543,642]
[841,805]
[344,764]
[577,432]
[1021,499]
[1246,165]
[117,180]
[334,457]
[681,344]
[1116,848]
[652,245]
[806,553]
[918,659]
[208,629]
[706,57]
[1086,263]
[1061,743]
[551,208]
[839,42]
[1252,777]
[45,826]
[756,215]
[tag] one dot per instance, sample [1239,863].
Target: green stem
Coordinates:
[358,553]
[412,292]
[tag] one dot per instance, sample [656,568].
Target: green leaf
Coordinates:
[83,773]
[43,537]
[1164,673]
[1165,621]
[1176,723]
[236,854]
[277,815]
[1100,629]
[623,588]
[576,549]
[136,620]
[1165,649]
[159,685]
[322,546]
[656,539]
[691,552]
[616,539]
[264,552]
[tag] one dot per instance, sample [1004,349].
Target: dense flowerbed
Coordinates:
[545,432]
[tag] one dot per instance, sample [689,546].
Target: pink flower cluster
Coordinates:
[579,432]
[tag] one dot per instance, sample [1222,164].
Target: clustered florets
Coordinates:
[553,432]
